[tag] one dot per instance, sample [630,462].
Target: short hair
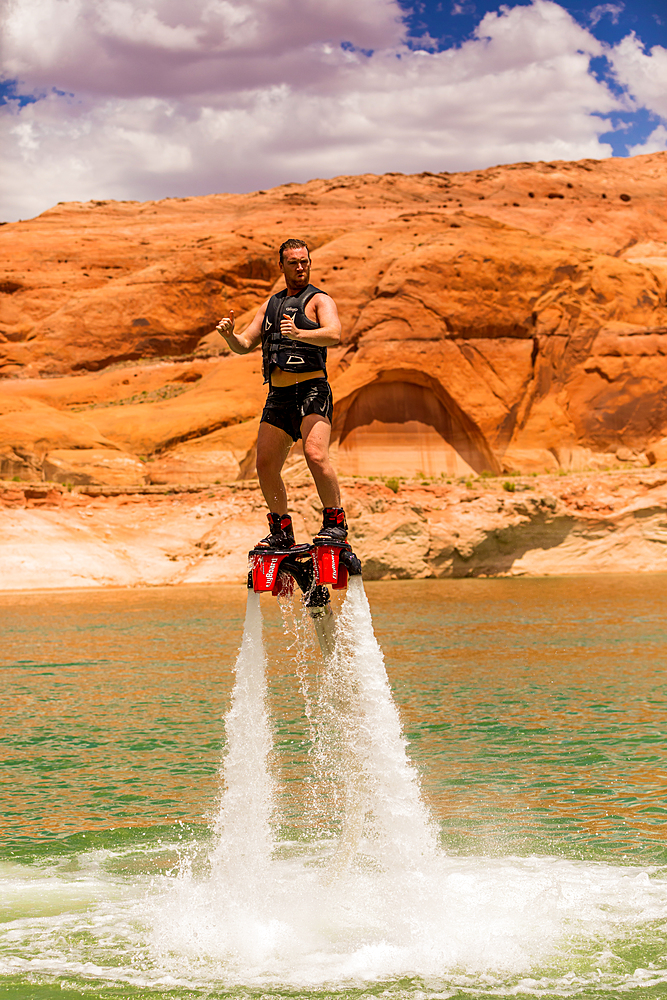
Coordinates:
[292,245]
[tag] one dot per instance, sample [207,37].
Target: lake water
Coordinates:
[535,713]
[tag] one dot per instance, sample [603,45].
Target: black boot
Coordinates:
[334,526]
[281,533]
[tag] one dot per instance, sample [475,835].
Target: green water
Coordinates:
[535,711]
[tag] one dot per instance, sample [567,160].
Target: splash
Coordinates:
[362,745]
[243,828]
[374,898]
[270,904]
[360,761]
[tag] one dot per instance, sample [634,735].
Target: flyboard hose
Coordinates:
[311,567]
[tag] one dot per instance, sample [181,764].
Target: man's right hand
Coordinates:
[249,338]
[226,325]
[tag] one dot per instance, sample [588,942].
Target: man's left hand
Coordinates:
[288,329]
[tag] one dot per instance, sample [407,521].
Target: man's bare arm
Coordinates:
[326,314]
[242,343]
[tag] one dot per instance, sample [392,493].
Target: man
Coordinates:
[294,327]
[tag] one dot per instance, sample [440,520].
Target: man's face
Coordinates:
[296,267]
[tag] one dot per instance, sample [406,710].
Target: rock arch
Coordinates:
[405,423]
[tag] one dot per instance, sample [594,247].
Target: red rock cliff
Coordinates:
[509,318]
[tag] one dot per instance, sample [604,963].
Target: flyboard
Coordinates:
[312,568]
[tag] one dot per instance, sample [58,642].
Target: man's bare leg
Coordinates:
[316,433]
[273,445]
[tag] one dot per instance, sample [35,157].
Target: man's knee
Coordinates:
[316,453]
[268,464]
[269,461]
[273,445]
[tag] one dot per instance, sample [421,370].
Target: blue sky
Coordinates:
[146,99]
[450,23]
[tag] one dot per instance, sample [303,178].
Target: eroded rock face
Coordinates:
[513,318]
[606,522]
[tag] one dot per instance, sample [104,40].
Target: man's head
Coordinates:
[293,245]
[295,264]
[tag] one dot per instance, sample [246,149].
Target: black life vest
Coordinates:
[290,355]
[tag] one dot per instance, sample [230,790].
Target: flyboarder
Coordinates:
[294,327]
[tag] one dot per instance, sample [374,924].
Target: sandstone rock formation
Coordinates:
[532,526]
[512,318]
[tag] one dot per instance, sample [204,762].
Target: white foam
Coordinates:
[505,918]
[496,926]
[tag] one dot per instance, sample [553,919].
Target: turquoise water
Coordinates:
[535,712]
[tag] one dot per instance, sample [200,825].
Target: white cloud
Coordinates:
[165,48]
[644,75]
[174,99]
[656,142]
[613,9]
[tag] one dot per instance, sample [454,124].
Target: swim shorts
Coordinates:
[287,405]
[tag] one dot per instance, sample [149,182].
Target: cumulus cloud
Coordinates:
[643,74]
[167,48]
[165,98]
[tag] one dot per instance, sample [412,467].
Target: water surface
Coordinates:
[535,712]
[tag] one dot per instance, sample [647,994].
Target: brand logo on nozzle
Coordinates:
[271,572]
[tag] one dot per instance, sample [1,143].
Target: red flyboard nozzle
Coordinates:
[328,568]
[265,570]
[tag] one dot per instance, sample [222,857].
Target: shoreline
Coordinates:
[233,585]
[91,537]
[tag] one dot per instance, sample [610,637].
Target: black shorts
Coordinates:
[287,405]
